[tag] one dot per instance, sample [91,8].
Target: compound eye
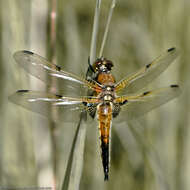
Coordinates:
[109,66]
[95,66]
[96,69]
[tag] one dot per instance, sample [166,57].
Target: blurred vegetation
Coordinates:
[150,153]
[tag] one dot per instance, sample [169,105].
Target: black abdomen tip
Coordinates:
[174,86]
[171,49]
[28,52]
[106,177]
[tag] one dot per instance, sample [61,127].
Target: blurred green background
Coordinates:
[151,153]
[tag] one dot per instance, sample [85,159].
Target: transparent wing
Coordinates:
[69,109]
[45,71]
[138,105]
[148,73]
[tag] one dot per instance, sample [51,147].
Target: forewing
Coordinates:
[138,105]
[45,71]
[67,109]
[148,73]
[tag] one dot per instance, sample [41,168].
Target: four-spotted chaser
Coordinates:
[104,102]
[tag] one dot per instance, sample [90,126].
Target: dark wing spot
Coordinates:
[145,93]
[125,101]
[174,86]
[18,91]
[58,67]
[27,52]
[58,96]
[85,103]
[148,65]
[171,49]
[122,103]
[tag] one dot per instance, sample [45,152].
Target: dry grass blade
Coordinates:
[95,32]
[107,27]
[75,163]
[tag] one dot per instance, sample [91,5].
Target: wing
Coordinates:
[148,73]
[138,105]
[69,109]
[45,71]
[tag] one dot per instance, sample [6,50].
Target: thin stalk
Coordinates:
[69,181]
[107,27]
[51,51]
[95,32]
[75,162]
[53,14]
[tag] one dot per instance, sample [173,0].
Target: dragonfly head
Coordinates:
[102,65]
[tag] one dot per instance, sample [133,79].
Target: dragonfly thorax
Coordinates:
[107,94]
[108,98]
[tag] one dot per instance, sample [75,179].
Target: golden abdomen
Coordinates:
[104,116]
[104,112]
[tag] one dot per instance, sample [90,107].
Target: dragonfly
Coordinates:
[107,101]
